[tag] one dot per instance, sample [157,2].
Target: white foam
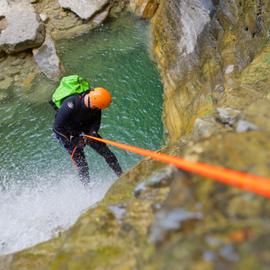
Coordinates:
[36,213]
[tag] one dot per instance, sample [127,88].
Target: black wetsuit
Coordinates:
[74,118]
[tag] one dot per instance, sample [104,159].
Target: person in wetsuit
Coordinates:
[81,114]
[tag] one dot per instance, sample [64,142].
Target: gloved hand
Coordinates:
[91,133]
[77,141]
[94,134]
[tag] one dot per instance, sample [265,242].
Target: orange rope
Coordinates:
[73,152]
[72,157]
[252,183]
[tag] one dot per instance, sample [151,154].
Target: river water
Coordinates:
[40,193]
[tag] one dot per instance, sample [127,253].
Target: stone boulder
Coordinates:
[21,27]
[85,9]
[47,59]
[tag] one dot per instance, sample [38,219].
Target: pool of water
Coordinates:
[39,189]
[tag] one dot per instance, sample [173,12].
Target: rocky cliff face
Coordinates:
[203,48]
[214,58]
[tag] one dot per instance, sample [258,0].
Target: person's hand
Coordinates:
[78,141]
[93,133]
[81,142]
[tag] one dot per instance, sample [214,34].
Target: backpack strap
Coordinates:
[53,105]
[80,96]
[85,93]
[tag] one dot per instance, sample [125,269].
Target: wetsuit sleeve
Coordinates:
[63,118]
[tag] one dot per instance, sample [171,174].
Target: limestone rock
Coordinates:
[3,6]
[204,128]
[160,179]
[44,17]
[99,18]
[3,23]
[85,9]
[178,39]
[47,59]
[243,126]
[23,29]
[173,220]
[227,116]
[118,211]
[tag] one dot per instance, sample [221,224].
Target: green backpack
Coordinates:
[68,86]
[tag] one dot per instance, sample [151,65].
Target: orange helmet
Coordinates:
[100,98]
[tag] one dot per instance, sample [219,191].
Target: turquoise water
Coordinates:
[39,188]
[114,56]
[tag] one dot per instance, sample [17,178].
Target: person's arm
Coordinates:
[63,118]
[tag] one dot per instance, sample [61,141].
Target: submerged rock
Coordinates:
[23,30]
[85,9]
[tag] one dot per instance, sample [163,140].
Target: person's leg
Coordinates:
[103,150]
[78,159]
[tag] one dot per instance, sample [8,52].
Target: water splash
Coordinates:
[30,214]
